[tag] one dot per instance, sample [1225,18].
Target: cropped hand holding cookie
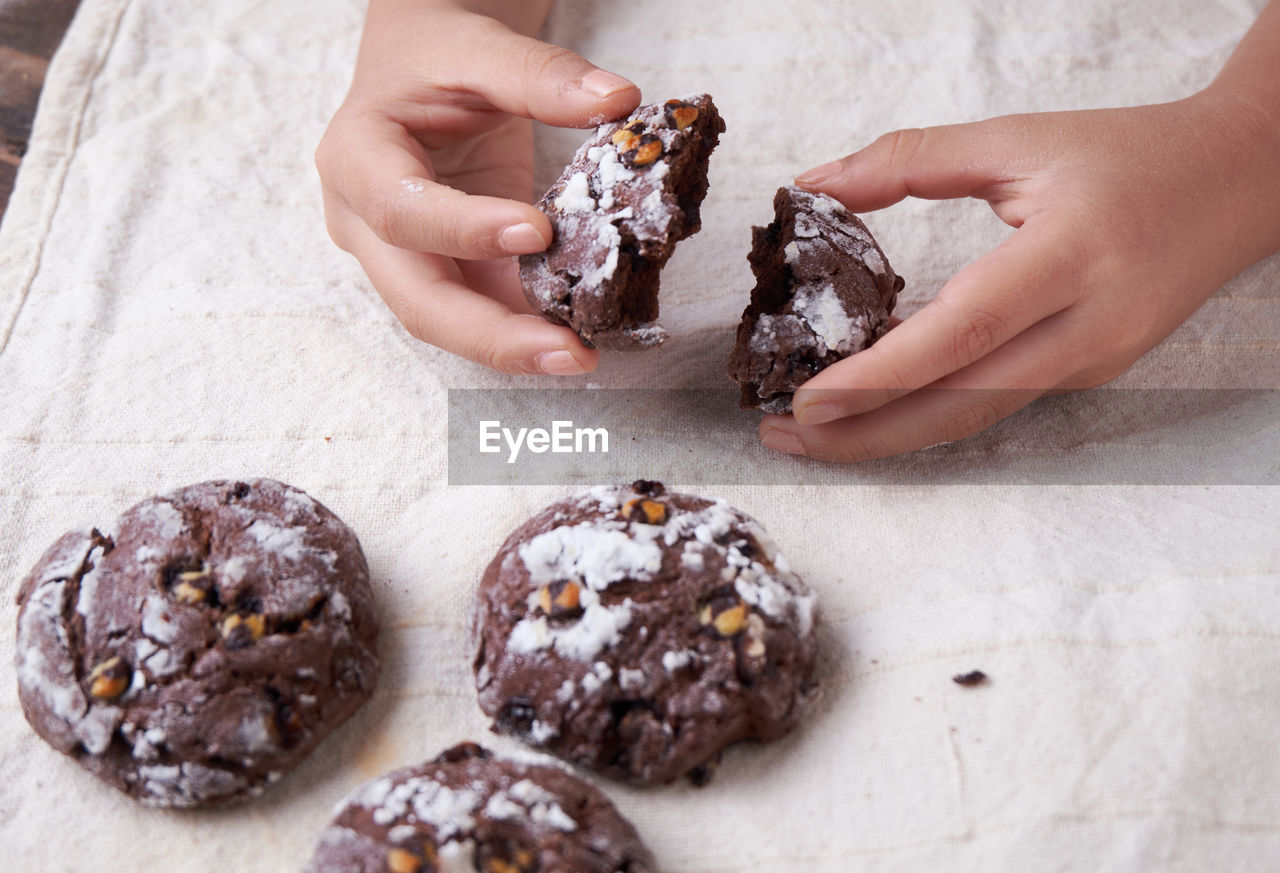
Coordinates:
[427,170]
[1127,221]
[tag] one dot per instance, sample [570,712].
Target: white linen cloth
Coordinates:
[172,311]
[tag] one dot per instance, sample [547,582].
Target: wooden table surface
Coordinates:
[30,31]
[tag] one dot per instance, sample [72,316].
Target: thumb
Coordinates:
[534,79]
[935,163]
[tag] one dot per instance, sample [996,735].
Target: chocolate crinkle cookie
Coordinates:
[468,811]
[824,290]
[630,194]
[640,632]
[202,644]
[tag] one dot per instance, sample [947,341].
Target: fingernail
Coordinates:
[818,413]
[782,441]
[522,239]
[602,83]
[818,175]
[559,363]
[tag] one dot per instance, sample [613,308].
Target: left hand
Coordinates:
[427,168]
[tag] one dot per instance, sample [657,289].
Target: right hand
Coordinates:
[427,170]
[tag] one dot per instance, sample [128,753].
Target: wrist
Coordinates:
[1243,103]
[1239,124]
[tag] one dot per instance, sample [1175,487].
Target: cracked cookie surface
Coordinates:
[640,632]
[629,195]
[202,644]
[824,290]
[469,810]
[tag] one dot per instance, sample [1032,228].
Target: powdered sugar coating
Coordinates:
[817,315]
[668,671]
[593,553]
[525,799]
[678,660]
[599,553]
[595,197]
[820,319]
[576,196]
[599,627]
[419,800]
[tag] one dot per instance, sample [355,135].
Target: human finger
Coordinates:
[534,79]
[383,175]
[1021,282]
[959,406]
[428,294]
[935,163]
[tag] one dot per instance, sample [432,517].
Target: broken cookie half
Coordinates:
[630,194]
[824,290]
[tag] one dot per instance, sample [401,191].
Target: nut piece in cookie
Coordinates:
[629,195]
[202,644]
[688,632]
[469,810]
[824,290]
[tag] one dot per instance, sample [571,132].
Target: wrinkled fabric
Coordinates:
[171,310]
